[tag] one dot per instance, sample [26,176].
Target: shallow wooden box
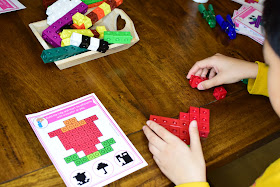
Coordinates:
[109,21]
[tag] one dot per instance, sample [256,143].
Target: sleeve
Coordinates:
[258,86]
[194,184]
[271,176]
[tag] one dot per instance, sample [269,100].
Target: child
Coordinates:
[185,166]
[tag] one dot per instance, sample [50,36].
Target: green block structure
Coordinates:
[117,37]
[84,159]
[88,2]
[78,162]
[59,53]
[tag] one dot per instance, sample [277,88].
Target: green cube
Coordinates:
[68,159]
[78,162]
[84,159]
[75,157]
[96,154]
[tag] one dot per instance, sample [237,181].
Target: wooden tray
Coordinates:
[109,21]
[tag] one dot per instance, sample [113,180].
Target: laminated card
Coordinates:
[85,144]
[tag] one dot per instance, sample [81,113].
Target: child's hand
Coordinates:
[223,70]
[175,159]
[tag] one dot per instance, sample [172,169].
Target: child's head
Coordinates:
[271,50]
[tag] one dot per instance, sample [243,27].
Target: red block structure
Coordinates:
[180,127]
[195,80]
[81,138]
[220,93]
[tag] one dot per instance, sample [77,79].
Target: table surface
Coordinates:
[148,78]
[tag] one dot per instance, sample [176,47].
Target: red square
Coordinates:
[184,116]
[203,134]
[194,110]
[175,130]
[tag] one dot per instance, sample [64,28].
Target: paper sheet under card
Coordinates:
[85,144]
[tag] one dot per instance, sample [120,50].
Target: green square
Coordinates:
[111,141]
[103,151]
[91,156]
[78,162]
[75,157]
[105,143]
[109,149]
[96,154]
[68,159]
[84,159]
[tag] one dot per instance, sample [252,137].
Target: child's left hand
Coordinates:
[175,159]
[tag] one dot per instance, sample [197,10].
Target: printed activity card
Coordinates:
[85,144]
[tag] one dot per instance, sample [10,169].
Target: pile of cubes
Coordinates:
[70,32]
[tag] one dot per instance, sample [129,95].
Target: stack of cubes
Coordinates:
[180,127]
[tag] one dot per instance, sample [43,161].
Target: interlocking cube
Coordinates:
[51,35]
[106,8]
[195,80]
[119,37]
[80,19]
[101,30]
[220,93]
[55,54]
[58,9]
[180,127]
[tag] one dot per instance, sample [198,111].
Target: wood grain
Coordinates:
[149,78]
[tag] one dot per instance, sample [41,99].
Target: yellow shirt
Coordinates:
[271,176]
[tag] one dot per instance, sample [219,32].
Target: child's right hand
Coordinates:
[223,70]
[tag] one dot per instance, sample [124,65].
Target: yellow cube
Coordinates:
[106,7]
[66,33]
[80,19]
[100,30]
[87,22]
[65,42]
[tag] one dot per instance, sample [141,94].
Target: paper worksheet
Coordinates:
[10,5]
[84,142]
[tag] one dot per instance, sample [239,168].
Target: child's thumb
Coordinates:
[208,83]
[194,137]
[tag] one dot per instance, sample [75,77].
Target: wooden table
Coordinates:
[148,78]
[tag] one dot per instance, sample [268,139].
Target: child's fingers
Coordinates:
[215,81]
[206,63]
[195,144]
[204,72]
[153,149]
[198,73]
[164,134]
[212,73]
[153,138]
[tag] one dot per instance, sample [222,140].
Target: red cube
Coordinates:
[220,93]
